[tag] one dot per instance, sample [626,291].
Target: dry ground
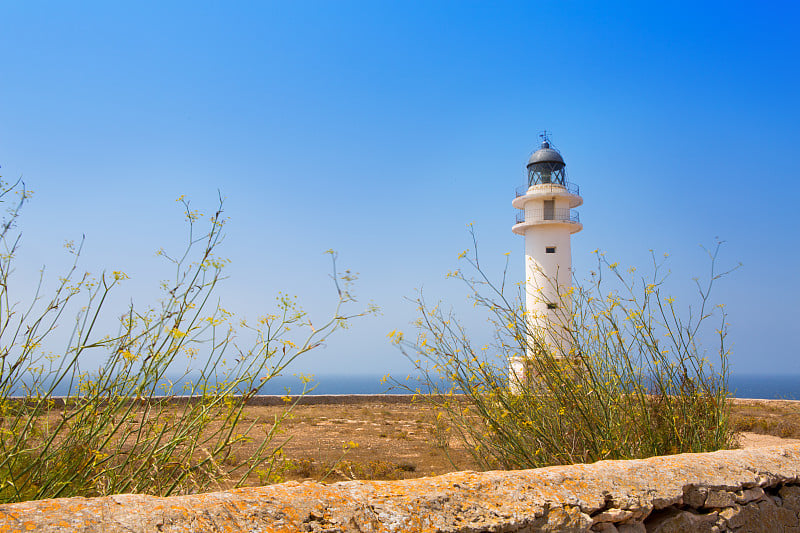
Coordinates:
[401,440]
[387,438]
[780,418]
[366,441]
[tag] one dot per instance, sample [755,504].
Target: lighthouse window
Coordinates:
[549,209]
[552,306]
[549,249]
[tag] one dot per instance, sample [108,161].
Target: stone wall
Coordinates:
[735,490]
[266,399]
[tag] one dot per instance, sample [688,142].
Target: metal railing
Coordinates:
[540,215]
[570,187]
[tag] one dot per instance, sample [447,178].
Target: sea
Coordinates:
[761,386]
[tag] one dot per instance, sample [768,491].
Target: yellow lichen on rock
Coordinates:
[725,490]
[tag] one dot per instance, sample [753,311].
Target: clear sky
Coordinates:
[380,129]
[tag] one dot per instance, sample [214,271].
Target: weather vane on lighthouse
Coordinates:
[546,221]
[544,137]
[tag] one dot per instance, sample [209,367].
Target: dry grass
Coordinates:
[385,441]
[780,418]
[401,441]
[367,441]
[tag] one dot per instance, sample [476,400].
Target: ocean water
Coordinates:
[768,387]
[338,384]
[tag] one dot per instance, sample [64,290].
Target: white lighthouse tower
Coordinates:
[547,221]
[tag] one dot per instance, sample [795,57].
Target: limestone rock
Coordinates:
[613,515]
[672,493]
[749,495]
[677,521]
[718,498]
[791,497]
[605,527]
[632,527]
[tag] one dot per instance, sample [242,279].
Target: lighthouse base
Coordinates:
[530,375]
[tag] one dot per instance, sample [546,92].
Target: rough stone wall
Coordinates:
[735,490]
[273,400]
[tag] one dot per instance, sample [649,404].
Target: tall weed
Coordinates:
[126,427]
[631,381]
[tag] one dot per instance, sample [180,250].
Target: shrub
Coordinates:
[126,427]
[630,381]
[378,469]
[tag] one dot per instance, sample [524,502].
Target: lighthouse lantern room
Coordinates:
[546,219]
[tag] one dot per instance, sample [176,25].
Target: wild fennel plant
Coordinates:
[632,381]
[125,427]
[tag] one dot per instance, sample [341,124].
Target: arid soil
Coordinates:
[380,440]
[367,441]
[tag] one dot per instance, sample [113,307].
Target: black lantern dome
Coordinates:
[546,166]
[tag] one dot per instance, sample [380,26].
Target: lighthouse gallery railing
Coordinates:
[539,215]
[570,187]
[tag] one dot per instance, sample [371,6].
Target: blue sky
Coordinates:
[380,129]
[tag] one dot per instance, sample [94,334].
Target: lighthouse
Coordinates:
[547,221]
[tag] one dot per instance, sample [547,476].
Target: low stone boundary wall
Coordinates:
[332,399]
[272,400]
[269,400]
[755,489]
